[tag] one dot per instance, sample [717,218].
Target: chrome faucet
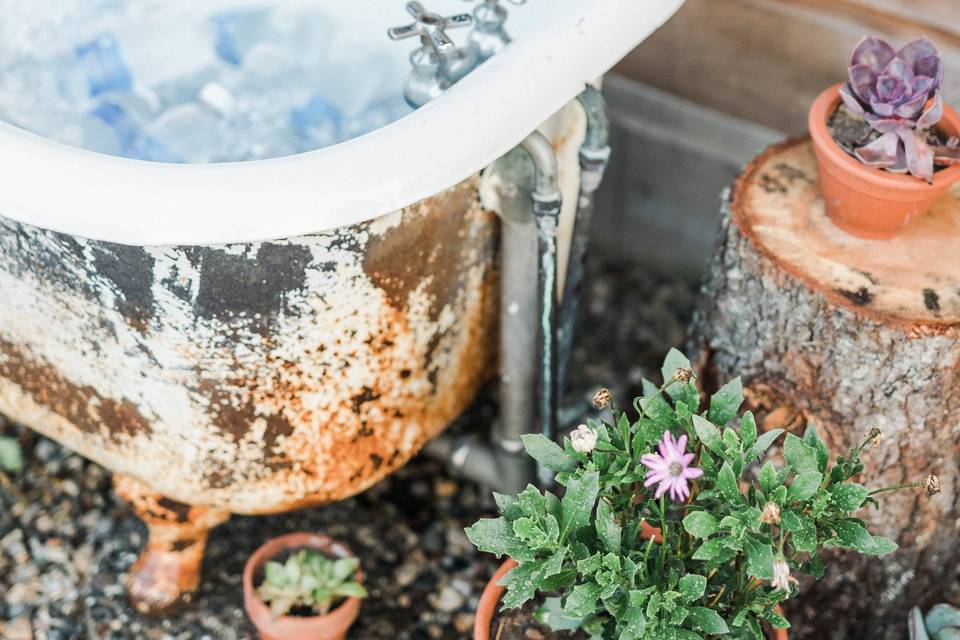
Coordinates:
[438,62]
[489,36]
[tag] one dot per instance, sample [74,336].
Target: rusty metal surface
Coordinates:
[253,377]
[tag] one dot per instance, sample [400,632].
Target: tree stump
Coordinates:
[849,334]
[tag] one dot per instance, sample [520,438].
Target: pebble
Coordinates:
[449,599]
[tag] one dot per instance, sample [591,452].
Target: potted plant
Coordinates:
[886,144]
[734,528]
[314,594]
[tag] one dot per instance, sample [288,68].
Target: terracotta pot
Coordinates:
[332,626]
[864,201]
[493,592]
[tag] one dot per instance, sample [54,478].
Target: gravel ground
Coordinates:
[66,540]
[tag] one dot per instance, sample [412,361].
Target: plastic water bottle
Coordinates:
[103,65]
[318,123]
[134,142]
[236,32]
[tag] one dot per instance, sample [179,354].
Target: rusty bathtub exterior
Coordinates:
[254,377]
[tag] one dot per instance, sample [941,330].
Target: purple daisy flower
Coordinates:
[671,468]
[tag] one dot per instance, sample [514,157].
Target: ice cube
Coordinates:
[236,32]
[103,64]
[191,131]
[318,122]
[184,88]
[376,115]
[134,141]
[215,96]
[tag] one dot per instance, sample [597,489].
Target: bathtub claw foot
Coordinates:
[167,573]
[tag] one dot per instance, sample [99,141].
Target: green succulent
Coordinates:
[942,622]
[308,578]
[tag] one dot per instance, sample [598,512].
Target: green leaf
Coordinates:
[531,501]
[732,441]
[507,505]
[792,521]
[521,582]
[812,438]
[350,590]
[852,534]
[849,496]
[804,486]
[805,538]
[550,613]
[709,435]
[708,620]
[767,477]
[673,361]
[759,558]
[554,563]
[727,483]
[800,457]
[493,535]
[11,457]
[761,445]
[633,618]
[700,524]
[881,546]
[577,502]
[725,402]
[582,601]
[712,549]
[692,587]
[547,452]
[748,429]
[608,531]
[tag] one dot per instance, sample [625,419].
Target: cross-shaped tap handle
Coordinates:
[431,27]
[517,2]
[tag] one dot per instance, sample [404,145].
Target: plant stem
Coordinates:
[896,487]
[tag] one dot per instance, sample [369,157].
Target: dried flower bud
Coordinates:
[771,513]
[932,484]
[683,374]
[875,437]
[602,399]
[781,575]
[583,439]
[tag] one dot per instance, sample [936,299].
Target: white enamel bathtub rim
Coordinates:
[85,194]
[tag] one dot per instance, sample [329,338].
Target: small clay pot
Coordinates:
[864,201]
[332,626]
[492,593]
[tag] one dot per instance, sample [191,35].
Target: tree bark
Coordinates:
[849,334]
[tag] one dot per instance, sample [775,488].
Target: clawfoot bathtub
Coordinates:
[261,336]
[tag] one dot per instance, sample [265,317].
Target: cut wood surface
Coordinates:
[848,334]
[913,277]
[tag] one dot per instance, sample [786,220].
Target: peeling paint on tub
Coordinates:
[254,377]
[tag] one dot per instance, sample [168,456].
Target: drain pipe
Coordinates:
[547,201]
[594,155]
[528,322]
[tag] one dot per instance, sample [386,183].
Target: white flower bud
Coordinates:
[583,439]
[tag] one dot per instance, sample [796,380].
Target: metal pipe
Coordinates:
[528,327]
[594,155]
[547,201]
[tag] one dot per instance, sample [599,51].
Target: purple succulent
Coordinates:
[898,94]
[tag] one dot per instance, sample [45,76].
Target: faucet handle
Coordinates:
[431,27]
[495,2]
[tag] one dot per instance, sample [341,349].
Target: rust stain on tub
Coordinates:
[80,404]
[365,343]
